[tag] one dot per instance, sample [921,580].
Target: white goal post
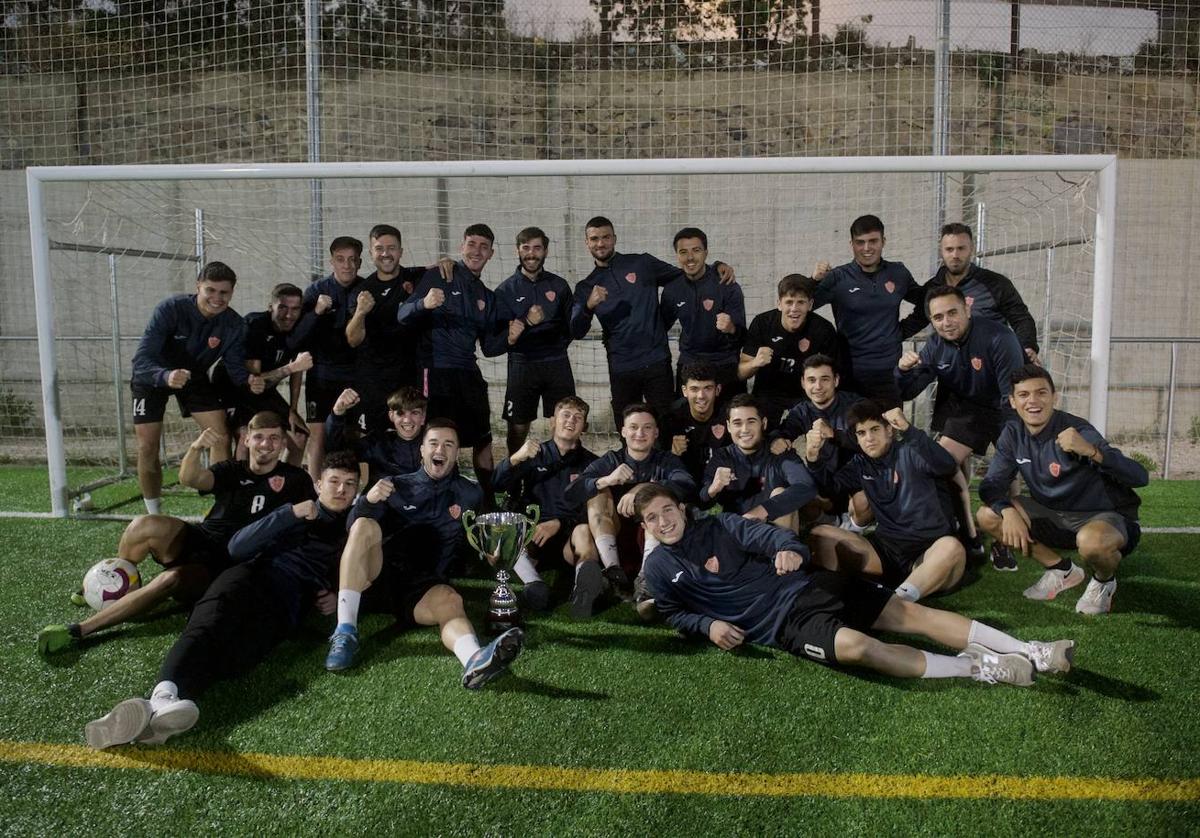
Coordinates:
[1102,168]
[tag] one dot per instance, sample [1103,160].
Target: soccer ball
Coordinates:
[109,580]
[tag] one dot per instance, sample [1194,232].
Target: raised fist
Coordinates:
[599,294]
[346,399]
[364,302]
[909,360]
[821,270]
[896,418]
[722,477]
[434,298]
[306,509]
[324,304]
[515,329]
[526,452]
[725,323]
[678,445]
[207,439]
[302,363]
[763,356]
[381,491]
[535,315]
[178,379]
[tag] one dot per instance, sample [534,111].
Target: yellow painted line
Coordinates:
[613,781]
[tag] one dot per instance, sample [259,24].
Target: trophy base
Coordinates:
[500,622]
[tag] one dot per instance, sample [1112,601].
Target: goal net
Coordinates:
[110,242]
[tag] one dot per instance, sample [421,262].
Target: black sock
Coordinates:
[1096,576]
[73,630]
[1063,565]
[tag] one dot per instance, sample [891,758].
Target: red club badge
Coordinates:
[977,364]
[276,483]
[970,301]
[1055,469]
[712,565]
[408,287]
[804,344]
[718,431]
[214,342]
[574,475]
[550,295]
[456,512]
[890,286]
[482,305]
[708,304]
[631,277]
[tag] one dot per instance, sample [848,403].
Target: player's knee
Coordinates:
[1096,540]
[366,530]
[852,647]
[987,519]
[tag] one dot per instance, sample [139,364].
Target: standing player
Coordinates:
[989,294]
[866,294]
[536,305]
[331,300]
[396,450]
[192,555]
[283,564]
[711,314]
[778,342]
[386,353]
[541,474]
[1080,495]
[622,291]
[735,581]
[406,534]
[607,485]
[451,315]
[912,547]
[972,359]
[186,335]
[695,425]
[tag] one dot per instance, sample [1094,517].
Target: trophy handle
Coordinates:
[468,519]
[534,513]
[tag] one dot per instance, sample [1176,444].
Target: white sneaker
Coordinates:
[1097,597]
[1054,582]
[996,668]
[177,717]
[1056,656]
[120,726]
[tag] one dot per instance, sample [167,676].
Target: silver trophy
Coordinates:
[500,538]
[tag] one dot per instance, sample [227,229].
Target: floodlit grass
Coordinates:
[587,701]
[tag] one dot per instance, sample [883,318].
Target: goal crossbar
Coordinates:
[1103,166]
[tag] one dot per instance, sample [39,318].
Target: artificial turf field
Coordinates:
[607,726]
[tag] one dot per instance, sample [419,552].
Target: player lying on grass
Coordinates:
[192,555]
[283,563]
[540,474]
[1080,495]
[737,581]
[406,536]
[913,547]
[396,450]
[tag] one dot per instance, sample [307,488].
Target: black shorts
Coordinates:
[374,387]
[551,553]
[461,395]
[1059,529]
[529,381]
[150,403]
[246,405]
[965,422]
[200,547]
[898,555]
[652,384]
[830,602]
[398,588]
[879,385]
[320,394]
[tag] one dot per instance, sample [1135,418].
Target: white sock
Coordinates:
[153,505]
[995,639]
[651,543]
[908,591]
[946,666]
[526,572]
[347,606]
[466,646]
[165,692]
[607,547]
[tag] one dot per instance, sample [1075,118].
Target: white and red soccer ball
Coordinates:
[108,580]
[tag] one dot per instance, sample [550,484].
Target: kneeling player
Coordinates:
[192,555]
[405,536]
[1080,495]
[913,547]
[541,474]
[283,564]
[735,581]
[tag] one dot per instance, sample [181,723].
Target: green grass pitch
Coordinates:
[609,727]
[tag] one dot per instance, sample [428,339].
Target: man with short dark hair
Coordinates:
[866,294]
[396,450]
[406,536]
[777,344]
[283,562]
[695,424]
[452,315]
[711,314]
[1080,495]
[186,335]
[735,581]
[536,306]
[334,360]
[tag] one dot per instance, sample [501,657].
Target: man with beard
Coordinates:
[536,305]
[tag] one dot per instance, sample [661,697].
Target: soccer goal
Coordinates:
[109,242]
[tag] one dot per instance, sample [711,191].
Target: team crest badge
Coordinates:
[708,304]
[276,483]
[1055,469]
[573,476]
[712,565]
[804,344]
[718,431]
[970,301]
[550,295]
[407,286]
[455,512]
[214,342]
[890,286]
[482,305]
[631,277]
[977,364]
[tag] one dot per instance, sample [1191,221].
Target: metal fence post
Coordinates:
[1166,470]
[312,82]
[941,116]
[122,453]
